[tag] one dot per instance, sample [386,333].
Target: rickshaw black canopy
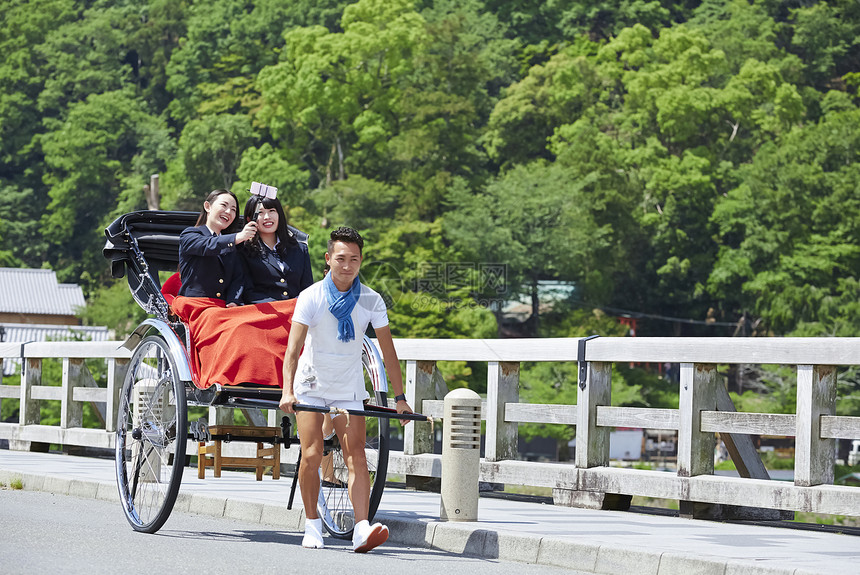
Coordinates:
[156,233]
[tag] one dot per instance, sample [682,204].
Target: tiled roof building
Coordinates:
[35,296]
[35,307]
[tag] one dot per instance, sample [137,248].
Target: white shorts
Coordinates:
[323,402]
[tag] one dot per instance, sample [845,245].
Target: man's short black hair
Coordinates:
[347,236]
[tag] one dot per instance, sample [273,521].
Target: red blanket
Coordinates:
[244,344]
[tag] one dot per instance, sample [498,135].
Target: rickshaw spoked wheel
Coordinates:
[151,436]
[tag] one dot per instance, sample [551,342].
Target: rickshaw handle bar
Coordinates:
[371,411]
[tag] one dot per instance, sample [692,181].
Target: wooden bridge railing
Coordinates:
[704,409]
[76,387]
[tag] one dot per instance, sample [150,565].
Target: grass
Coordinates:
[842,471]
[16,483]
[528,490]
[641,501]
[771,459]
[819,519]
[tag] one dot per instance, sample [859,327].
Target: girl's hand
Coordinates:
[247,233]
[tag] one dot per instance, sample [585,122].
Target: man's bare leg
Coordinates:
[352,441]
[309,427]
[327,466]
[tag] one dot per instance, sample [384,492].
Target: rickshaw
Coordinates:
[153,432]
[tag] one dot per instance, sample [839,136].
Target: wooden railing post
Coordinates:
[698,394]
[9,352]
[592,442]
[71,411]
[416,436]
[816,396]
[29,412]
[419,386]
[116,371]
[503,380]
[220,416]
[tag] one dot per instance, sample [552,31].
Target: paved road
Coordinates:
[591,541]
[61,534]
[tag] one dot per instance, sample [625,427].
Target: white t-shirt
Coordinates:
[330,368]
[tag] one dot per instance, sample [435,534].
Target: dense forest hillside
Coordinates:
[691,163]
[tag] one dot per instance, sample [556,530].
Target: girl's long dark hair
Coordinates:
[286,239]
[235,226]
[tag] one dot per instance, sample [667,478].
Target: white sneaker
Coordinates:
[313,534]
[366,536]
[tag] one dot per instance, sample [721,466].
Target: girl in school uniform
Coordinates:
[209,265]
[277,264]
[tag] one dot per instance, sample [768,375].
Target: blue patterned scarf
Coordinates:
[341,305]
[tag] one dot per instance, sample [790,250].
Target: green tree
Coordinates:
[86,157]
[446,104]
[558,21]
[162,23]
[357,202]
[398,257]
[227,43]
[606,18]
[660,153]
[550,95]
[111,305]
[21,209]
[7,259]
[789,234]
[825,37]
[535,222]
[531,21]
[265,164]
[744,30]
[86,56]
[56,56]
[690,155]
[211,149]
[23,29]
[330,98]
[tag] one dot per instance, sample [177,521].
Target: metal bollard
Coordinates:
[461,456]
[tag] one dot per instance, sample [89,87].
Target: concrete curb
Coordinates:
[459,538]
